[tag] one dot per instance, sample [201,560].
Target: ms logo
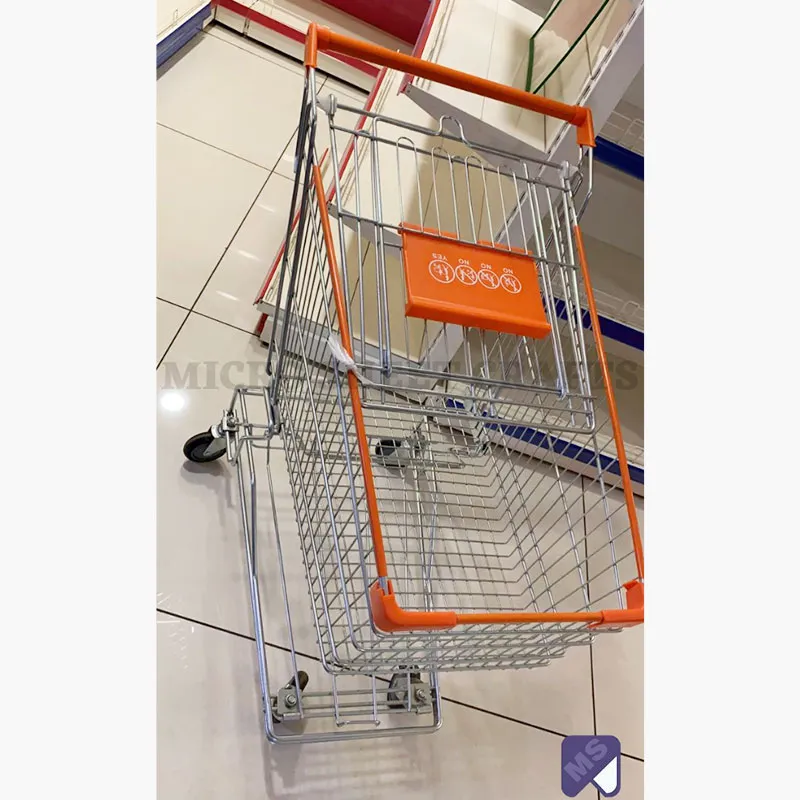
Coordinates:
[590,759]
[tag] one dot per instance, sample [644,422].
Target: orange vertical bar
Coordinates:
[612,408]
[352,381]
[310,54]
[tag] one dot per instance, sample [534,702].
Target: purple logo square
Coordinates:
[590,760]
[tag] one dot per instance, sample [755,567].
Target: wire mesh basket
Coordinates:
[431,360]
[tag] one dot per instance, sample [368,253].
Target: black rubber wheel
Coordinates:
[300,680]
[400,683]
[386,447]
[204,447]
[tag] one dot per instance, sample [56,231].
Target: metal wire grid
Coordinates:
[456,535]
[445,525]
[332,707]
[453,192]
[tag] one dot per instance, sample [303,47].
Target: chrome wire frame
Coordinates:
[405,175]
[333,707]
[474,456]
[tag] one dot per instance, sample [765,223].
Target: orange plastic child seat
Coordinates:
[467,284]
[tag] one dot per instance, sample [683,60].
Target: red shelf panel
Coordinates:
[399,18]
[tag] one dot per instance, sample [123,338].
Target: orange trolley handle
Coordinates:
[325,40]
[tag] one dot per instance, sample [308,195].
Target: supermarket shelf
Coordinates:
[620,143]
[620,158]
[625,127]
[456,38]
[611,328]
[179,36]
[285,31]
[401,20]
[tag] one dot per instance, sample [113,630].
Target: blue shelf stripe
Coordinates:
[181,36]
[551,443]
[617,331]
[583,455]
[619,158]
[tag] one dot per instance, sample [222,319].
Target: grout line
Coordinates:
[246,214]
[209,32]
[205,624]
[191,310]
[222,322]
[172,340]
[213,146]
[270,173]
[172,303]
[285,649]
[274,50]
[504,716]
[238,635]
[319,661]
[204,316]
[235,633]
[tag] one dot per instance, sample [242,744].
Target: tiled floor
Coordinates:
[227,115]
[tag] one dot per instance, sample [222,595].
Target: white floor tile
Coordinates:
[557,697]
[200,556]
[230,293]
[619,687]
[232,99]
[168,320]
[203,196]
[200,549]
[631,780]
[210,743]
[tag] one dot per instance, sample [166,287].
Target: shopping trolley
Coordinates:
[459,479]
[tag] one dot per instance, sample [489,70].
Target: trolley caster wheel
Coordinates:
[389,452]
[399,685]
[204,447]
[386,448]
[286,699]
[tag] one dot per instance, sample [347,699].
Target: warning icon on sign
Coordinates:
[488,279]
[511,283]
[466,274]
[441,271]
